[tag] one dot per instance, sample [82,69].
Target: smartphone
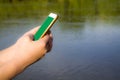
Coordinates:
[47,24]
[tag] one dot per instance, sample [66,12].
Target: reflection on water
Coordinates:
[86,42]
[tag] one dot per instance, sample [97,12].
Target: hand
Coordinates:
[24,52]
[33,50]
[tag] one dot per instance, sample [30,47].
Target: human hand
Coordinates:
[33,50]
[24,52]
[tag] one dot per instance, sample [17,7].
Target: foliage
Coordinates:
[68,9]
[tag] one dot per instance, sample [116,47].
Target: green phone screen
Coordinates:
[43,28]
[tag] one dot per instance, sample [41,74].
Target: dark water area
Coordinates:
[86,42]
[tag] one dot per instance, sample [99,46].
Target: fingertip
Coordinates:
[51,35]
[46,37]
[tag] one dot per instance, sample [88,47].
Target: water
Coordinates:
[85,49]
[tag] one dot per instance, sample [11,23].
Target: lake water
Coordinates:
[87,49]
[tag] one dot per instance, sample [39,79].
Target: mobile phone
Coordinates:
[47,24]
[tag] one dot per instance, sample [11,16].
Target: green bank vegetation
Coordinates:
[68,9]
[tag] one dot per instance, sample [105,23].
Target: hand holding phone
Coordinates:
[47,24]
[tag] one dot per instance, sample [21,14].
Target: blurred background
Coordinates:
[86,37]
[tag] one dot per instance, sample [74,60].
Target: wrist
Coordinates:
[9,64]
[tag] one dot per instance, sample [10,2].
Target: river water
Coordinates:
[82,50]
[87,50]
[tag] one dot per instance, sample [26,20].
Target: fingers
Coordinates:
[45,39]
[49,44]
[46,42]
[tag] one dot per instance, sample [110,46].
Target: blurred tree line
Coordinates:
[12,1]
[68,9]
